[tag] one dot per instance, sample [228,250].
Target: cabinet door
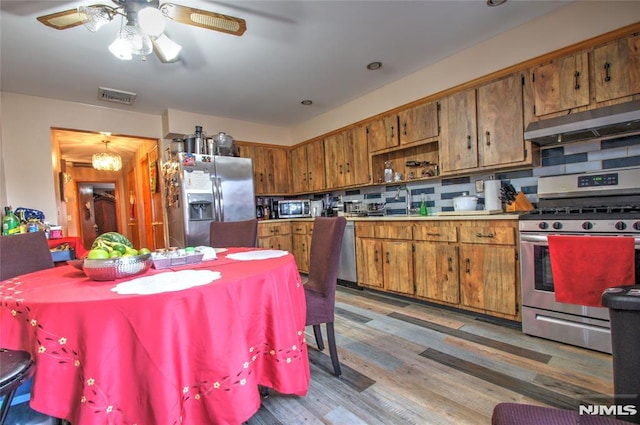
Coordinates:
[398,267]
[301,244]
[617,69]
[359,168]
[369,260]
[500,122]
[458,146]
[561,85]
[488,277]
[299,170]
[280,170]
[334,157]
[315,165]
[436,271]
[418,123]
[383,133]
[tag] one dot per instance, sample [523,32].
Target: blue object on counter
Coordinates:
[30,214]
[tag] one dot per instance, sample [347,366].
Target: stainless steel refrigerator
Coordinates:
[200,189]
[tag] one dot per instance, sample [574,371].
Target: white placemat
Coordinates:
[261,254]
[169,281]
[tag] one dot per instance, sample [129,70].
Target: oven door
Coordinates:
[543,316]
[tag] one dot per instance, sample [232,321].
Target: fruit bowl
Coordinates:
[116,268]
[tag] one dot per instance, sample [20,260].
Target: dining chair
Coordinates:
[527,414]
[320,289]
[24,253]
[225,234]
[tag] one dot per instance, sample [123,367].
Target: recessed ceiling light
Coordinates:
[495,2]
[307,102]
[374,65]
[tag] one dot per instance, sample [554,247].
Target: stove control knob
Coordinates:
[543,225]
[620,225]
[587,225]
[557,225]
[636,225]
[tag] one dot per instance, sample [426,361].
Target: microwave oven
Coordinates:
[294,208]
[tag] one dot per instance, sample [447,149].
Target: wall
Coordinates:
[593,155]
[25,138]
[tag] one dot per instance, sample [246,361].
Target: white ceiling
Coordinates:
[291,51]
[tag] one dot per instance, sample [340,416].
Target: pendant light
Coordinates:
[105,161]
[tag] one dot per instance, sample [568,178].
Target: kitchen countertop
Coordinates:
[398,217]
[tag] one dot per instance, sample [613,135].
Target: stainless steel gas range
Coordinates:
[604,203]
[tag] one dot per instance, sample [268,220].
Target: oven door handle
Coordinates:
[543,238]
[533,238]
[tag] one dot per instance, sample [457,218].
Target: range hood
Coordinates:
[607,121]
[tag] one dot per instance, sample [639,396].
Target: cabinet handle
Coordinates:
[375,256]
[468,142]
[340,167]
[467,263]
[607,66]
[270,177]
[450,261]
[387,257]
[348,167]
[404,128]
[310,178]
[577,77]
[488,137]
[434,234]
[488,235]
[304,177]
[393,134]
[261,179]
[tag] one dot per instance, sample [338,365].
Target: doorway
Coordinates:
[98,210]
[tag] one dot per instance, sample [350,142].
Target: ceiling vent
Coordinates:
[118,96]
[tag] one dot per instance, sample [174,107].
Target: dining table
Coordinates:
[188,344]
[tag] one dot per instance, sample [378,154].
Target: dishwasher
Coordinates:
[347,275]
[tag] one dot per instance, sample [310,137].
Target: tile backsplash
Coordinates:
[591,155]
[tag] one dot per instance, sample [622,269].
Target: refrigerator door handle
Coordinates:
[220,198]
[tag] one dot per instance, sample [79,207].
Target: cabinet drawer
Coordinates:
[494,234]
[435,231]
[272,229]
[366,230]
[402,231]
[301,228]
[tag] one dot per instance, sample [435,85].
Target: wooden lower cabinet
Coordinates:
[467,264]
[301,243]
[274,235]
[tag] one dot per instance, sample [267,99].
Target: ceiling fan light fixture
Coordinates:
[167,49]
[151,21]
[94,17]
[120,48]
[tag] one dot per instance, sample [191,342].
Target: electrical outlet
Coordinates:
[479,186]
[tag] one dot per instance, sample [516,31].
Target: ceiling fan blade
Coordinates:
[63,20]
[204,19]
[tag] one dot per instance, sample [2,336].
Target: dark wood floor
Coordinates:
[405,362]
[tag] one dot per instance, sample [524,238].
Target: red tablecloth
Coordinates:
[194,356]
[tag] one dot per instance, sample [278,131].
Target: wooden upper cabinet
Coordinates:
[458,135]
[419,123]
[307,164]
[346,158]
[500,122]
[561,85]
[617,69]
[270,168]
[383,133]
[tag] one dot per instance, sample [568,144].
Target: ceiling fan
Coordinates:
[144,21]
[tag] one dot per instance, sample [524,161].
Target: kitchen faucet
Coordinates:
[407,199]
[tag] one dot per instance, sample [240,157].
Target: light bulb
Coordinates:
[151,21]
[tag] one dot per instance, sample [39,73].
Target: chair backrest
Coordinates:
[326,245]
[24,253]
[225,234]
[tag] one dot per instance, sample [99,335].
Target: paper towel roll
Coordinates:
[492,200]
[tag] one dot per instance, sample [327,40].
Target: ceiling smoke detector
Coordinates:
[117,96]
